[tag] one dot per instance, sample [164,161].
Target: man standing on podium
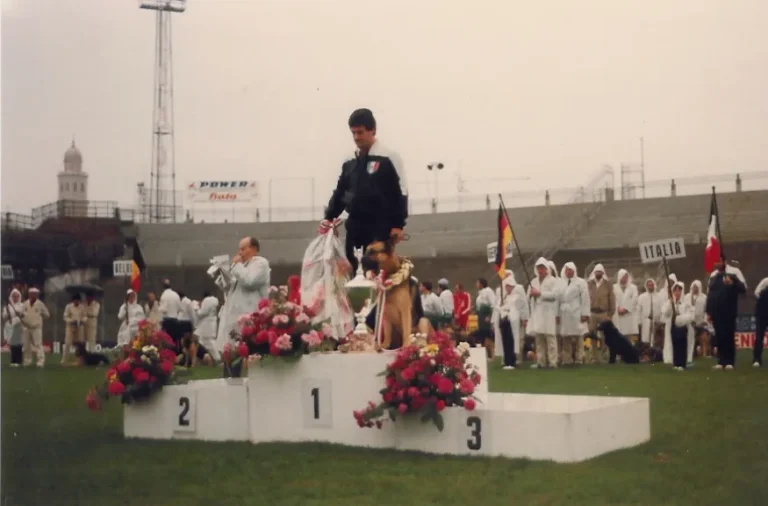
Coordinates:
[372,189]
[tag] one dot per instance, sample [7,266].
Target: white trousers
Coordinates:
[212,345]
[33,344]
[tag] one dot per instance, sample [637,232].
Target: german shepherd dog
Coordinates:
[398,318]
[88,359]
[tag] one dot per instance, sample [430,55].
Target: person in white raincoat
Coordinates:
[677,332]
[649,304]
[205,330]
[560,286]
[13,312]
[698,300]
[574,315]
[514,308]
[625,318]
[247,282]
[130,314]
[544,296]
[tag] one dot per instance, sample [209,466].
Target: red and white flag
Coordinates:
[712,252]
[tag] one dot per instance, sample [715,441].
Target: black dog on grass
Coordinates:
[618,344]
[88,359]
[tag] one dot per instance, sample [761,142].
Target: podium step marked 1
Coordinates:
[313,399]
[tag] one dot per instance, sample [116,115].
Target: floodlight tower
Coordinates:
[162,185]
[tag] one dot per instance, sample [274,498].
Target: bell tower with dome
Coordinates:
[73,182]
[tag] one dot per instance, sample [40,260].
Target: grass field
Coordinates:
[705,425]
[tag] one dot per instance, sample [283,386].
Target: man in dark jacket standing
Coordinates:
[372,189]
[725,286]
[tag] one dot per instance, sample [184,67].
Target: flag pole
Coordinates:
[514,238]
[717,225]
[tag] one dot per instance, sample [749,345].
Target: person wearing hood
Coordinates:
[430,302]
[670,281]
[13,312]
[206,323]
[75,318]
[698,300]
[574,315]
[294,289]
[625,293]
[649,304]
[726,285]
[513,315]
[462,305]
[678,317]
[603,304]
[560,286]
[761,321]
[130,314]
[544,296]
[34,314]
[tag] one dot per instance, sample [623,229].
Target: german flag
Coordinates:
[137,266]
[504,241]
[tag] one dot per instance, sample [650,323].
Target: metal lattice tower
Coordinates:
[162,185]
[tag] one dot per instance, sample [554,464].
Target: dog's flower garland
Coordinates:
[147,366]
[426,377]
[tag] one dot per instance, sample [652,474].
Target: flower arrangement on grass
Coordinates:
[280,328]
[426,377]
[147,366]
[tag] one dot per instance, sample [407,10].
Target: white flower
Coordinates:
[273,289]
[148,350]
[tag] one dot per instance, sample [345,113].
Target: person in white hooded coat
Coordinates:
[496,316]
[544,296]
[512,309]
[560,286]
[130,313]
[574,315]
[696,298]
[625,317]
[649,305]
[206,318]
[13,312]
[678,329]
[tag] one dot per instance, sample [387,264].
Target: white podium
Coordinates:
[312,399]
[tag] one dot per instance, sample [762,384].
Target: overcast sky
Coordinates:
[501,89]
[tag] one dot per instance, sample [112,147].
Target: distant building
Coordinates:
[73,183]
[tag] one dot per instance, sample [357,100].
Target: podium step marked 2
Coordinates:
[313,399]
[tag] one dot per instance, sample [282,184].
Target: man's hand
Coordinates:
[727,279]
[396,234]
[584,319]
[622,311]
[237,259]
[535,292]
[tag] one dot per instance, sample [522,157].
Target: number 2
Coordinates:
[184,403]
[315,393]
[477,426]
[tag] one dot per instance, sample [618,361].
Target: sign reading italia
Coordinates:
[223,191]
[655,251]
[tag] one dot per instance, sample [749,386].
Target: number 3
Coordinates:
[184,403]
[477,426]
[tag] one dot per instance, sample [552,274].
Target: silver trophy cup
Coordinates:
[361,292]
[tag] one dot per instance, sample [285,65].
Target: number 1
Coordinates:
[315,393]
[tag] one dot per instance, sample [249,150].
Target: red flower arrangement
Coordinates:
[281,328]
[424,378]
[147,366]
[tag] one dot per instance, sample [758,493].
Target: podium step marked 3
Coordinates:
[313,399]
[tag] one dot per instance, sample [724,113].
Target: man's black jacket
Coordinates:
[722,299]
[372,188]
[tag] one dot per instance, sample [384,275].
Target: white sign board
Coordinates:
[122,268]
[655,251]
[490,249]
[223,191]
[7,272]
